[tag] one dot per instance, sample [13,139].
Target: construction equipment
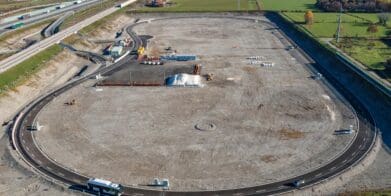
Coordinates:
[209,77]
[144,59]
[72,102]
[164,183]
[179,57]
[197,69]
[140,50]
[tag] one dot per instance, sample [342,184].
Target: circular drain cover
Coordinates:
[205,126]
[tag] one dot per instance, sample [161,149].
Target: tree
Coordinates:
[383,18]
[309,17]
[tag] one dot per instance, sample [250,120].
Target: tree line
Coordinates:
[355,5]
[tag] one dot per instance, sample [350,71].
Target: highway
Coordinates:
[23,142]
[4,26]
[46,43]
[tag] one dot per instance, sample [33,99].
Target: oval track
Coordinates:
[23,142]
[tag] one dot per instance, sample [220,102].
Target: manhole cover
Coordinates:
[205,126]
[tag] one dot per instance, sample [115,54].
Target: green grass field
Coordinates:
[373,57]
[21,72]
[325,24]
[232,5]
[88,12]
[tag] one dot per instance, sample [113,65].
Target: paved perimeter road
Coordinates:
[23,141]
[46,43]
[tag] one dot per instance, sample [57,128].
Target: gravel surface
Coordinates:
[270,122]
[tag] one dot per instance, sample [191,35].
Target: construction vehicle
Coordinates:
[140,51]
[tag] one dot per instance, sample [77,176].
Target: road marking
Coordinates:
[23,141]
[280,187]
[27,148]
[39,162]
[344,161]
[48,168]
[61,174]
[238,194]
[32,155]
[260,191]
[354,153]
[333,168]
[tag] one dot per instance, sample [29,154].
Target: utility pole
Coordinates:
[339,22]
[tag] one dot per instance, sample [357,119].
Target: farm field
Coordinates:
[373,57]
[232,5]
[370,49]
[325,24]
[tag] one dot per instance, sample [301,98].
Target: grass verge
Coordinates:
[21,72]
[88,12]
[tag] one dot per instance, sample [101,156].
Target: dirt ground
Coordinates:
[14,178]
[270,123]
[107,31]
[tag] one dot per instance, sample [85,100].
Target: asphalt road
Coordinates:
[23,141]
[46,43]
[4,26]
[53,28]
